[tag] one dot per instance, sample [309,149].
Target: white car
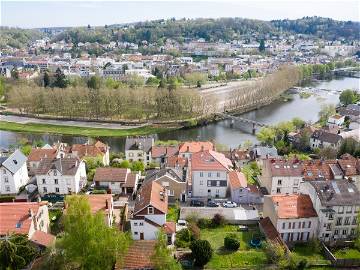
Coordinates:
[229,204]
[181,224]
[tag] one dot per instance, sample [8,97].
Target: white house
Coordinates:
[13,173]
[241,192]
[210,174]
[337,204]
[293,216]
[323,139]
[281,176]
[60,176]
[139,149]
[150,211]
[336,120]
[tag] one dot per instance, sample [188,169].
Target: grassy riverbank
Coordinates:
[80,131]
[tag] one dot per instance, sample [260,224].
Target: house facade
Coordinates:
[60,176]
[337,204]
[13,173]
[293,216]
[186,149]
[241,192]
[139,149]
[323,139]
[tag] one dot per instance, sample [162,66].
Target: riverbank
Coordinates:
[81,131]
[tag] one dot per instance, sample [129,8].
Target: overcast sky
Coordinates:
[29,14]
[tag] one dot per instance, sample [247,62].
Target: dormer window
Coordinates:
[15,161]
[150,210]
[55,173]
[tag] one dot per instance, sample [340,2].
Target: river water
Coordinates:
[222,132]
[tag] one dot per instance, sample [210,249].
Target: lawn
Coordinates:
[223,259]
[304,251]
[55,226]
[347,253]
[79,131]
[173,213]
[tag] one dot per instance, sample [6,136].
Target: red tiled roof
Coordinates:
[108,174]
[177,161]
[315,169]
[150,194]
[43,239]
[164,151]
[270,231]
[169,227]
[281,167]
[86,150]
[15,213]
[130,180]
[138,256]
[98,202]
[237,180]
[348,165]
[194,147]
[37,154]
[294,206]
[210,160]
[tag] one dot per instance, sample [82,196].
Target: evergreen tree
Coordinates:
[46,79]
[60,79]
[262,45]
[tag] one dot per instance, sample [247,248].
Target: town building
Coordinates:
[160,153]
[293,216]
[13,173]
[60,176]
[117,180]
[323,139]
[337,204]
[186,149]
[104,203]
[139,149]
[241,192]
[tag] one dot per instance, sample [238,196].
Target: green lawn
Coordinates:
[303,251]
[173,213]
[223,259]
[79,131]
[347,253]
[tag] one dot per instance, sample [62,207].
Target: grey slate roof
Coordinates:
[66,166]
[15,161]
[156,174]
[144,143]
[325,136]
[263,151]
[336,192]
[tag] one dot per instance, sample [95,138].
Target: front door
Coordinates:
[141,236]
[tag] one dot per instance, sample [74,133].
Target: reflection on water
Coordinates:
[221,132]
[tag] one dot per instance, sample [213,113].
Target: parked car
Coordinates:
[212,204]
[196,203]
[229,204]
[181,224]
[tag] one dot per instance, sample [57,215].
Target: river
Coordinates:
[222,132]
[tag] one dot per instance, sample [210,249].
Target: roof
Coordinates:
[237,180]
[37,154]
[270,231]
[169,227]
[87,150]
[152,193]
[282,167]
[108,174]
[336,192]
[138,255]
[325,136]
[144,143]
[319,170]
[263,151]
[164,151]
[172,173]
[99,202]
[15,161]
[293,206]
[210,160]
[347,164]
[194,147]
[43,239]
[177,161]
[66,166]
[131,180]
[15,216]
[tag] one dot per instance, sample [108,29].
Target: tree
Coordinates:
[87,242]
[274,252]
[94,82]
[262,45]
[60,79]
[231,242]
[153,81]
[16,252]
[15,74]
[137,166]
[46,79]
[348,97]
[298,122]
[328,152]
[326,111]
[266,135]
[161,259]
[201,252]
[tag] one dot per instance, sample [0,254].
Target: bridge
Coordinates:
[348,71]
[242,119]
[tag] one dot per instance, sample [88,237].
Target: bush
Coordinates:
[218,220]
[201,252]
[194,230]
[204,223]
[231,242]
[6,198]
[99,191]
[183,238]
[274,252]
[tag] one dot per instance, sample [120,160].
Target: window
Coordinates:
[201,174]
[347,221]
[303,224]
[4,171]
[43,181]
[56,181]
[352,231]
[113,183]
[299,225]
[201,182]
[6,179]
[348,209]
[336,232]
[278,190]
[150,210]
[357,209]
[209,174]
[45,189]
[328,227]
[331,216]
[289,225]
[296,182]
[7,188]
[218,183]
[293,225]
[135,223]
[141,224]
[341,210]
[57,189]
[354,221]
[131,154]
[135,233]
[217,174]
[344,232]
[55,172]
[309,224]
[339,221]
[283,225]
[279,182]
[69,189]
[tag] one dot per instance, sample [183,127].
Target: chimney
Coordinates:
[106,204]
[202,148]
[187,148]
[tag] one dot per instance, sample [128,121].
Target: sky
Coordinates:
[34,14]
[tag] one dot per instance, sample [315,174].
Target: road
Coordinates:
[84,124]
